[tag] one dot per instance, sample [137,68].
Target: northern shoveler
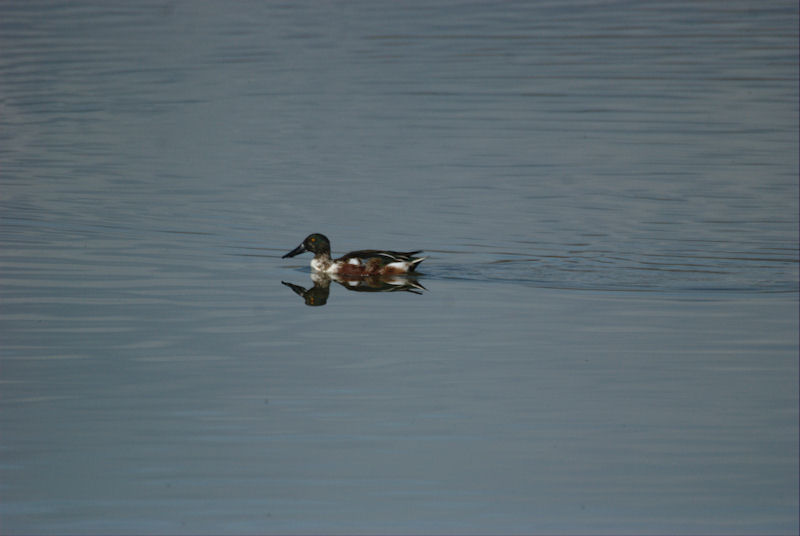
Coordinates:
[367,262]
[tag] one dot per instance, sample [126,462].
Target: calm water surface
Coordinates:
[608,194]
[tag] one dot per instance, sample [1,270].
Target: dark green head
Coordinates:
[315,243]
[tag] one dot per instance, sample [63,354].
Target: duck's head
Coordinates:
[315,243]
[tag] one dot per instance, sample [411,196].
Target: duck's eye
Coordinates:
[313,239]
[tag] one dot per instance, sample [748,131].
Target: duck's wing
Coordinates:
[388,256]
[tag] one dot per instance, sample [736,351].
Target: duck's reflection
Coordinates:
[318,294]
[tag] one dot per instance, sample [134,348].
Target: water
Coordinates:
[608,195]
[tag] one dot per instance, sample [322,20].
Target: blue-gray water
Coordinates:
[608,195]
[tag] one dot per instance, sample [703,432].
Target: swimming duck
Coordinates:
[366,262]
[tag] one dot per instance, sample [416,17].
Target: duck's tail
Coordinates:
[414,262]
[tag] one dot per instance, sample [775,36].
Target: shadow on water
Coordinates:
[318,294]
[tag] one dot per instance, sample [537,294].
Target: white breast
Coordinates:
[321,265]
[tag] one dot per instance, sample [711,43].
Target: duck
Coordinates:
[365,262]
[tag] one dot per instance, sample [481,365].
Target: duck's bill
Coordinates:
[296,251]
